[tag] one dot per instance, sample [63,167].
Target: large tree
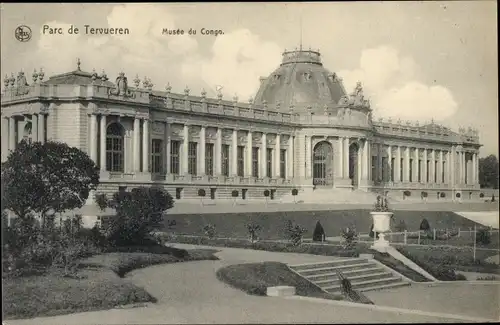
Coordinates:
[488,172]
[44,179]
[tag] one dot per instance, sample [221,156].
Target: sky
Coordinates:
[416,60]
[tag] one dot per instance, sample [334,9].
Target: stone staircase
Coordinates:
[365,275]
[332,195]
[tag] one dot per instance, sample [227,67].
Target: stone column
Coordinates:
[201,152]
[380,167]
[234,153]
[397,165]
[389,164]
[367,159]
[34,128]
[308,157]
[474,167]
[218,152]
[248,163]
[301,163]
[12,133]
[440,169]
[168,147]
[415,166]
[346,157]
[102,128]
[93,137]
[277,157]
[5,138]
[136,145]
[41,130]
[361,160]
[451,167]
[290,158]
[432,173]
[263,155]
[464,167]
[145,146]
[340,161]
[185,150]
[407,165]
[424,167]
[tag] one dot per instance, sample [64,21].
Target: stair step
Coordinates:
[364,284]
[358,279]
[348,273]
[332,263]
[340,267]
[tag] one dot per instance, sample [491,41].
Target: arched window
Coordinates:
[114,148]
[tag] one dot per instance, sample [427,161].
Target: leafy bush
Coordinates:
[266,193]
[202,193]
[442,194]
[295,192]
[234,193]
[294,232]
[424,225]
[424,194]
[209,230]
[406,193]
[138,212]
[349,237]
[483,237]
[481,195]
[319,232]
[460,277]
[458,195]
[253,229]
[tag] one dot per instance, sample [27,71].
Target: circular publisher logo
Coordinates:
[23,33]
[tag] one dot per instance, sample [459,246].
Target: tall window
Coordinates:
[114,148]
[411,170]
[427,164]
[374,168]
[174,156]
[255,162]
[269,162]
[225,159]
[401,169]
[392,169]
[435,171]
[241,160]
[282,163]
[385,174]
[419,170]
[156,156]
[209,159]
[192,161]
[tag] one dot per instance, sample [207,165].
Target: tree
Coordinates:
[45,179]
[319,232]
[488,172]
[138,212]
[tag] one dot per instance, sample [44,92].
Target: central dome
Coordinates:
[301,81]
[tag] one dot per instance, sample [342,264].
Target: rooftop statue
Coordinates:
[121,86]
[21,84]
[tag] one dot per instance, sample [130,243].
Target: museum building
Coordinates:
[302,130]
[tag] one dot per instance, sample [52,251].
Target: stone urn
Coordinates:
[381,225]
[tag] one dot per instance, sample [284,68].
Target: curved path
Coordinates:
[190,293]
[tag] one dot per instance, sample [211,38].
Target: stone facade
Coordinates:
[141,136]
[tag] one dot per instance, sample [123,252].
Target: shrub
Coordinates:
[319,232]
[483,237]
[481,195]
[406,193]
[202,193]
[349,237]
[458,195]
[253,229]
[487,278]
[424,225]
[209,230]
[295,192]
[460,277]
[266,193]
[424,194]
[493,198]
[234,193]
[294,232]
[442,194]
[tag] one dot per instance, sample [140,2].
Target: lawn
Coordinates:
[98,284]
[233,225]
[256,277]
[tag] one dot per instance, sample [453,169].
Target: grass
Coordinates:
[233,225]
[98,284]
[256,277]
[399,267]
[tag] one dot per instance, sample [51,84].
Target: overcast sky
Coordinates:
[417,60]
